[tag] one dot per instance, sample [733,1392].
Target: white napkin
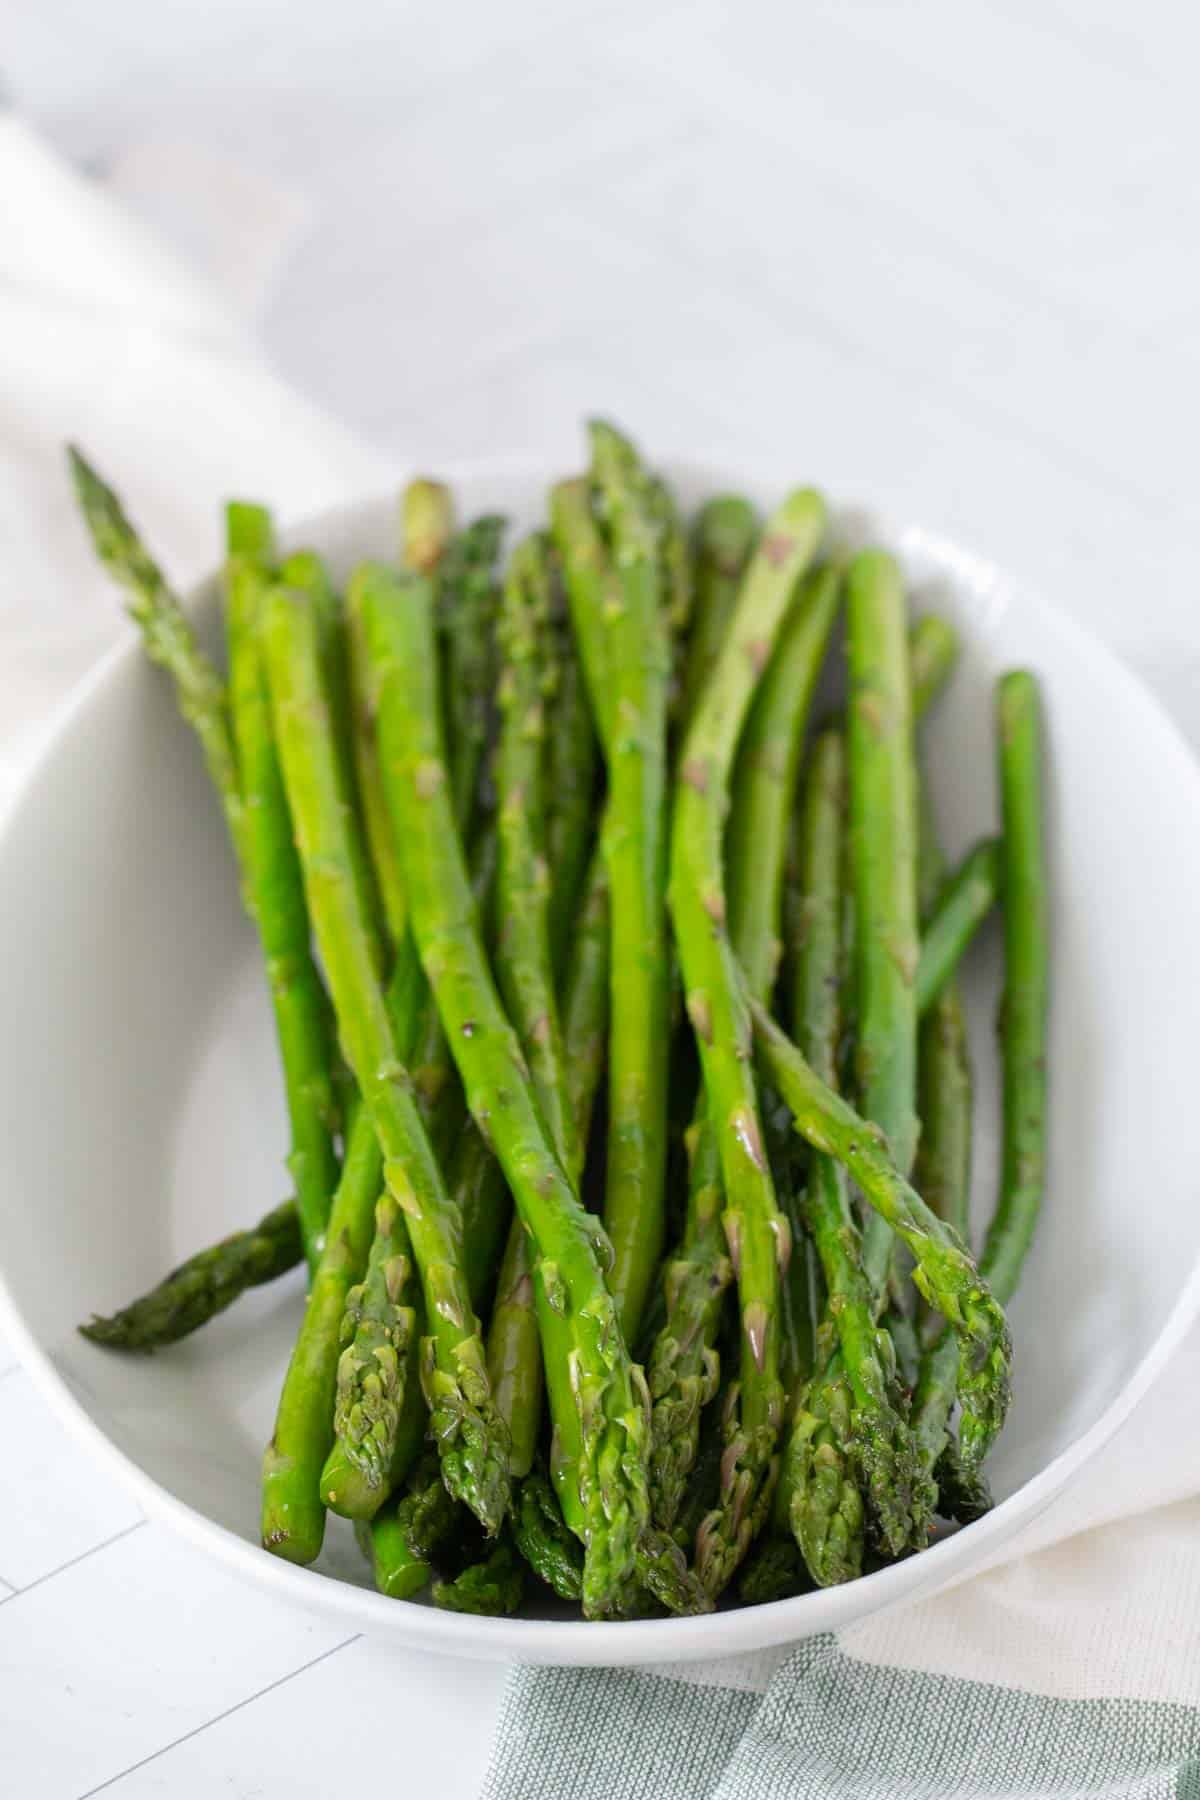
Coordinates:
[107,339]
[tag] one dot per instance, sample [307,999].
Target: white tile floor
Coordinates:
[944,257]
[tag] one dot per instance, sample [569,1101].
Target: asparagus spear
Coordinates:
[683,1367]
[883,1454]
[635,850]
[765,779]
[471,1437]
[819,1494]
[755,1229]
[304,572]
[1024,1006]
[959,907]
[495,1586]
[599,1399]
[377,824]
[932,654]
[943,1167]
[468,585]
[275,884]
[402,1540]
[204,1285]
[570,775]
[674,562]
[944,1273]
[883,842]
[942,1173]
[525,974]
[293,1517]
[585,999]
[167,636]
[1022,1033]
[523,956]
[723,539]
[257,831]
[380,1321]
[591,583]
[774,1570]
[542,1538]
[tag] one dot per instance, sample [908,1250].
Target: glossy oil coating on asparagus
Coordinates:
[755,1229]
[470,1435]
[602,1401]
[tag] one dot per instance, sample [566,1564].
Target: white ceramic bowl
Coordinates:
[141,1112]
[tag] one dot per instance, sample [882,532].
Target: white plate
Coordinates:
[141,1112]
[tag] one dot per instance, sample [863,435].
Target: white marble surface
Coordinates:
[941,255]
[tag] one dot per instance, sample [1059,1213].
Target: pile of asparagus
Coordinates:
[623,1046]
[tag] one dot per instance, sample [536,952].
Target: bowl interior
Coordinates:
[141,1113]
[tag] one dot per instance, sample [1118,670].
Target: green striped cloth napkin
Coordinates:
[1069,1667]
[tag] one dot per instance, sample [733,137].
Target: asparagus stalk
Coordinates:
[525,974]
[960,906]
[599,1400]
[468,609]
[1024,1006]
[585,999]
[635,851]
[401,1541]
[204,1285]
[377,824]
[382,1321]
[256,821]
[774,1570]
[880,1450]
[932,653]
[883,841]
[765,779]
[944,1273]
[471,1437]
[819,1494]
[755,1229]
[884,1455]
[523,958]
[543,1539]
[723,539]
[293,1516]
[674,562]
[275,884]
[304,572]
[591,584]
[1022,1037]
[683,1368]
[495,1586]
[167,637]
[570,775]
[378,1327]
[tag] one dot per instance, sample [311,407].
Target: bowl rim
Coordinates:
[578,1642]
